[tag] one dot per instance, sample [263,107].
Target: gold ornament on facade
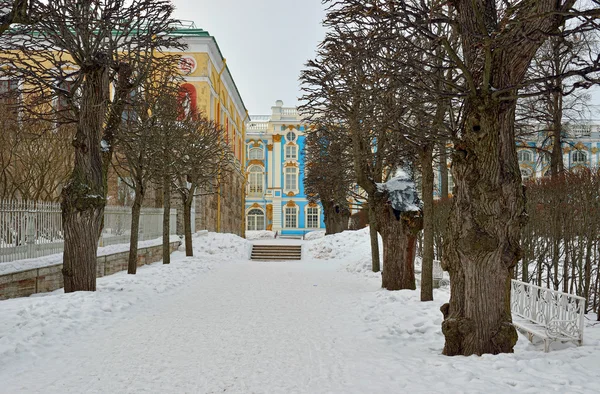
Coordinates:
[255,162]
[276,137]
[269,211]
[290,204]
[312,204]
[290,194]
[255,205]
[270,147]
[579,146]
[269,227]
[291,164]
[256,144]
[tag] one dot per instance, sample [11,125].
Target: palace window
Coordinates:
[291,217]
[256,220]
[291,178]
[290,136]
[255,180]
[525,155]
[579,157]
[9,96]
[291,152]
[256,154]
[312,217]
[525,174]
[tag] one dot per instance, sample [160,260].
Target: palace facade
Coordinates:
[581,148]
[275,197]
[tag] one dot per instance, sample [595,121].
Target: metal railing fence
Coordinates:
[30,229]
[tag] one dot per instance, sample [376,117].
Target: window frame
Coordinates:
[579,153]
[294,149]
[295,216]
[256,149]
[307,215]
[255,216]
[294,172]
[523,153]
[256,172]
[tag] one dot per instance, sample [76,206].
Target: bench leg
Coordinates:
[530,337]
[546,345]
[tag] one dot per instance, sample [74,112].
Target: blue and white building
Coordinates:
[275,197]
[581,143]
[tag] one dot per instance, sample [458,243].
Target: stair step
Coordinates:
[276,252]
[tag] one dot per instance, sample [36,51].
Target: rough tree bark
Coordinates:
[166,230]
[428,219]
[373,234]
[399,234]
[188,200]
[336,217]
[83,198]
[136,210]
[483,236]
[488,210]
[444,171]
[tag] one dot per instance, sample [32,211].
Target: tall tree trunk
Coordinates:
[399,235]
[83,198]
[428,219]
[444,171]
[484,230]
[166,230]
[136,210]
[336,217]
[188,200]
[556,159]
[373,234]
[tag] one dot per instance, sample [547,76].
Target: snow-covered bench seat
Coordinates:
[547,314]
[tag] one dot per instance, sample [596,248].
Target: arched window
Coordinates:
[525,155]
[579,157]
[291,178]
[256,154]
[291,152]
[256,220]
[255,180]
[291,217]
[312,217]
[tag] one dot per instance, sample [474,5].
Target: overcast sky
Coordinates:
[266,43]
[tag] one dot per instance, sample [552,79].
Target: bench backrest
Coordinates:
[544,306]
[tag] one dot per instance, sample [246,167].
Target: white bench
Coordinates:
[547,314]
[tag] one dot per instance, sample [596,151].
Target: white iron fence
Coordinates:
[30,229]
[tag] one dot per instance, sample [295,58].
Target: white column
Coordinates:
[277,163]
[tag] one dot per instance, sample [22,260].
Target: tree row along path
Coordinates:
[279,327]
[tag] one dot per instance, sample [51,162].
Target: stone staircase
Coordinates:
[276,252]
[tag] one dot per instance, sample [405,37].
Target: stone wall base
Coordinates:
[50,278]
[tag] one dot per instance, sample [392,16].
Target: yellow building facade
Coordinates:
[209,88]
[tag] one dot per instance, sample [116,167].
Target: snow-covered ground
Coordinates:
[218,323]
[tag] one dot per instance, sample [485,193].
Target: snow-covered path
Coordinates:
[248,327]
[220,323]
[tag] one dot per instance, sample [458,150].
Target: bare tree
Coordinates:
[327,177]
[205,158]
[497,41]
[152,106]
[67,61]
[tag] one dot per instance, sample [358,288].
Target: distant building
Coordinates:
[581,141]
[581,145]
[275,197]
